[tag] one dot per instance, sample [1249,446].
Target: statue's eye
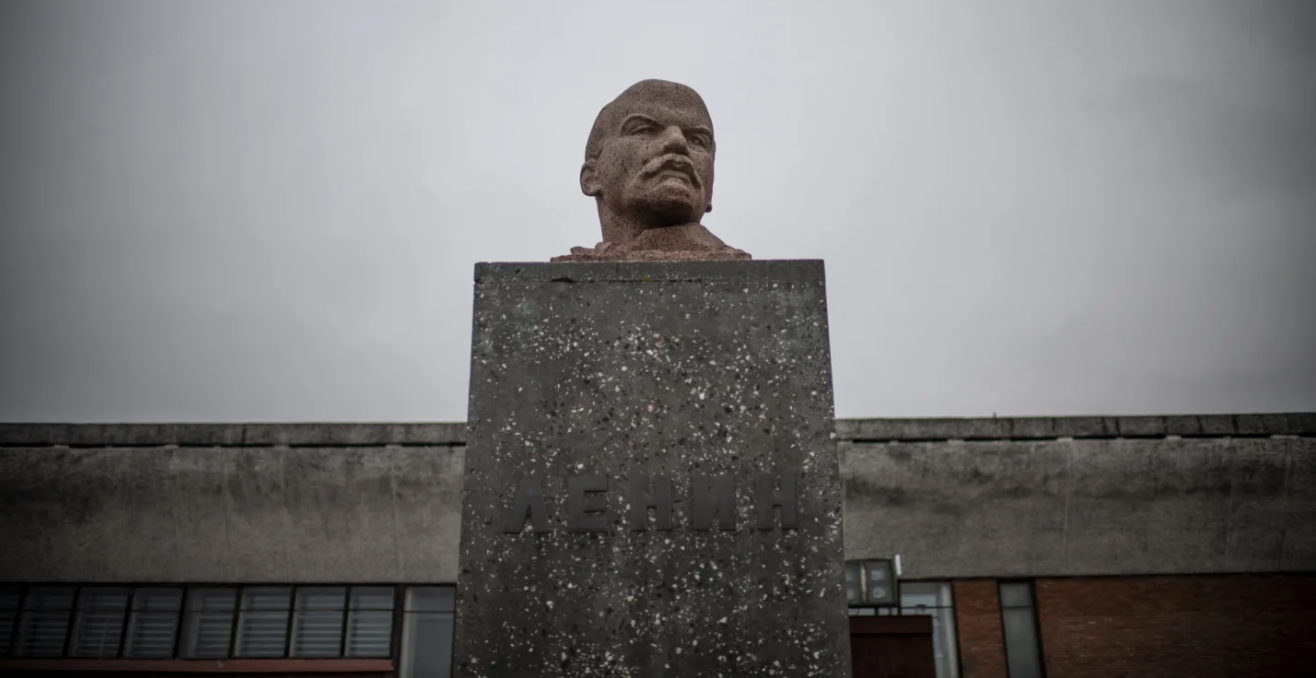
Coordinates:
[642,128]
[699,140]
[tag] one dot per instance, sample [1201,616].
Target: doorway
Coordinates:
[892,647]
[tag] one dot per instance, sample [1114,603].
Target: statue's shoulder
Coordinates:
[687,242]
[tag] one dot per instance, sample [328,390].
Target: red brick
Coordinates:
[978,629]
[1175,626]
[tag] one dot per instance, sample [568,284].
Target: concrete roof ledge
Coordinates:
[454,433]
[1041,428]
[232,435]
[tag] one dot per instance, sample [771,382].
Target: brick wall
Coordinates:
[1170,627]
[978,627]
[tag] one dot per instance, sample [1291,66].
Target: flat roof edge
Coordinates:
[347,434]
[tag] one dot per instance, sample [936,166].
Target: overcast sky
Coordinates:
[270,210]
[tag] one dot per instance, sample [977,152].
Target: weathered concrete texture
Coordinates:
[454,433]
[229,514]
[675,370]
[231,435]
[1041,428]
[1083,507]
[113,508]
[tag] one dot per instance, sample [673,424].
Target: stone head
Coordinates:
[649,159]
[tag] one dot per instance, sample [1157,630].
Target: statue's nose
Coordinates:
[673,141]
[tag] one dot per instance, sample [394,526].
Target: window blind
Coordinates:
[263,621]
[44,624]
[370,622]
[209,621]
[317,626]
[10,597]
[153,623]
[98,624]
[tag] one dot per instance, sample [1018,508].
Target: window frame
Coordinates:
[75,626]
[131,614]
[869,610]
[1037,621]
[177,653]
[23,610]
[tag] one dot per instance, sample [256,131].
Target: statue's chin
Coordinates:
[669,210]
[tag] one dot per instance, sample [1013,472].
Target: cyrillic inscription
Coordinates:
[656,494]
[587,507]
[712,503]
[769,499]
[529,498]
[712,496]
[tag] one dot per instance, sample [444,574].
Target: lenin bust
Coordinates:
[649,167]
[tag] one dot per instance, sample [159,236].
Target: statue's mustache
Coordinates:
[672,162]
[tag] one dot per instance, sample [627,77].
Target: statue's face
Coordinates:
[656,161]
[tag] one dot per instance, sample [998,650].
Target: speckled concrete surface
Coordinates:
[687,371]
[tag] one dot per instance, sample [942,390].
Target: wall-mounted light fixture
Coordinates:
[872,583]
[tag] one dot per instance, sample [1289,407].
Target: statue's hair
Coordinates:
[645,90]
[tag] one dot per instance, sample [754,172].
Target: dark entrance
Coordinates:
[892,647]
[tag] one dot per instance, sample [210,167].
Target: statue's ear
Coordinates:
[589,182]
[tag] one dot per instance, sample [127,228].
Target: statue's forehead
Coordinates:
[667,111]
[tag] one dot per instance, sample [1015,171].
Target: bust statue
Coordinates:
[649,167]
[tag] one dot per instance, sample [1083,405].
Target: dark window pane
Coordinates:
[317,624]
[208,622]
[98,624]
[370,622]
[44,623]
[853,593]
[426,637]
[933,599]
[880,589]
[263,621]
[1016,594]
[431,599]
[10,596]
[152,623]
[1021,643]
[919,595]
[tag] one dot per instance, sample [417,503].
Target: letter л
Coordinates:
[529,497]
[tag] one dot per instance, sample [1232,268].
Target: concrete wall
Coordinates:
[1083,507]
[380,502]
[231,504]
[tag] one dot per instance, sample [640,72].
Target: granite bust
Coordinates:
[649,167]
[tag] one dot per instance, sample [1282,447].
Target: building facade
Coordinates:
[1062,547]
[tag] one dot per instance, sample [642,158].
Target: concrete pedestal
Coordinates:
[652,486]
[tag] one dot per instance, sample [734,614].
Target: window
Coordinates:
[220,622]
[43,624]
[370,622]
[934,600]
[427,633]
[317,623]
[208,622]
[1019,621]
[98,624]
[263,622]
[871,583]
[10,599]
[153,623]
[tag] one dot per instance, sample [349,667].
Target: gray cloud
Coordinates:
[270,211]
